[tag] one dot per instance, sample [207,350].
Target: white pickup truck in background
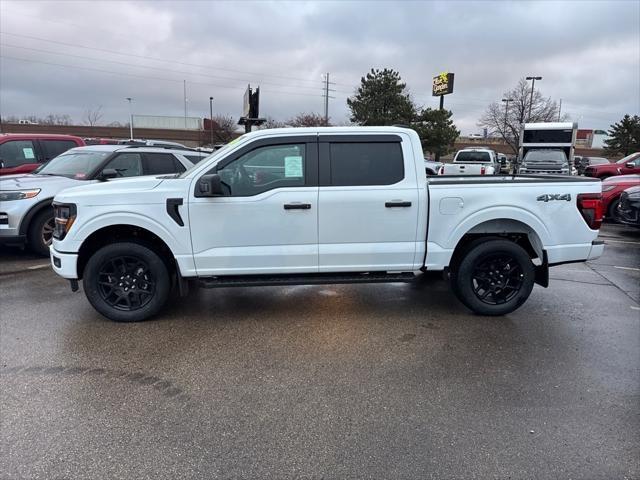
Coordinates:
[472,161]
[320,205]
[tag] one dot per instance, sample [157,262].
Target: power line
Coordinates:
[149,77]
[284,77]
[157,59]
[83,57]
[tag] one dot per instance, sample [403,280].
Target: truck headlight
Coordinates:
[8,195]
[65,215]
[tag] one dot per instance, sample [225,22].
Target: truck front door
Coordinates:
[368,203]
[268,220]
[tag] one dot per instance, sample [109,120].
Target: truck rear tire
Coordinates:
[494,277]
[126,282]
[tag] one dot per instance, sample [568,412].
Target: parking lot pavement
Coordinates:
[366,381]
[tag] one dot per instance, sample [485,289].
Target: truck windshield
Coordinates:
[547,156]
[76,165]
[472,156]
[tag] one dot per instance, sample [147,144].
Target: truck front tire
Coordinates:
[126,282]
[494,277]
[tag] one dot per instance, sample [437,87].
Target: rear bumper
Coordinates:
[64,264]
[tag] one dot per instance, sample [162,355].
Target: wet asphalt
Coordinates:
[336,382]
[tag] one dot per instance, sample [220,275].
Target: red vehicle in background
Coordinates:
[24,152]
[612,188]
[626,166]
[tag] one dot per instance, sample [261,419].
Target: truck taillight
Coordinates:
[482,170]
[590,206]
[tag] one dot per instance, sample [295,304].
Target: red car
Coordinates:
[24,152]
[626,166]
[612,188]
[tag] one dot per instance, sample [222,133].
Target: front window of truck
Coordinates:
[217,154]
[545,156]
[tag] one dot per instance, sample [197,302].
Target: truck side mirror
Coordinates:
[107,173]
[209,186]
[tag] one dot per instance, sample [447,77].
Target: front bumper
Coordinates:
[64,264]
[11,214]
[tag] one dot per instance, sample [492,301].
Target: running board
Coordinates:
[304,279]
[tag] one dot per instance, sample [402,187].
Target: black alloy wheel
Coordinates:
[126,283]
[497,279]
[493,276]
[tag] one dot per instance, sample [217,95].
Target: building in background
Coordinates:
[591,138]
[168,123]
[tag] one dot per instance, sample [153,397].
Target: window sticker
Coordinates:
[28,153]
[293,167]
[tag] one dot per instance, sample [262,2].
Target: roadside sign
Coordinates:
[442,84]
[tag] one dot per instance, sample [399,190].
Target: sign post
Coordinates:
[251,109]
[442,85]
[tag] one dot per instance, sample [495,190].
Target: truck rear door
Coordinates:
[368,203]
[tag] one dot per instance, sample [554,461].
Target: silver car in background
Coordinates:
[26,215]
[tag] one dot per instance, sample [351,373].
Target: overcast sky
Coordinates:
[65,57]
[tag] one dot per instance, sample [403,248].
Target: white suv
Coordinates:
[25,200]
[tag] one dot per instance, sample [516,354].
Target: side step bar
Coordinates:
[304,279]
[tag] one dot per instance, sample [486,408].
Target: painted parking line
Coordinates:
[634,308]
[628,268]
[36,267]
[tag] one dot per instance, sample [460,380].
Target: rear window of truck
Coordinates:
[354,164]
[482,157]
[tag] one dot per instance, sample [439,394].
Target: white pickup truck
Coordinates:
[472,161]
[315,206]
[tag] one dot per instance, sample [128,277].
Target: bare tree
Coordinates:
[308,120]
[272,123]
[506,123]
[224,128]
[55,119]
[91,117]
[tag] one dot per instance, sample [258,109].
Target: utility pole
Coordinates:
[326,94]
[211,118]
[533,84]
[559,109]
[130,119]
[326,98]
[184,84]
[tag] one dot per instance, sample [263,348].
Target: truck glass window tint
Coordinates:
[265,168]
[161,163]
[53,148]
[354,164]
[17,152]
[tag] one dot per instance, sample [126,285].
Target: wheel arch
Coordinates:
[516,231]
[33,211]
[124,232]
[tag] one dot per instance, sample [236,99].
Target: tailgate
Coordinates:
[462,169]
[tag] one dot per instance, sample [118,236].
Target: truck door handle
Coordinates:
[397,204]
[297,206]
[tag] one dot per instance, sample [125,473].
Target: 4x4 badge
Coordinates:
[554,196]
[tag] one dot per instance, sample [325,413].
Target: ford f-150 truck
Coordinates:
[472,161]
[315,206]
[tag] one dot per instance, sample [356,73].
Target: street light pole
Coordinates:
[130,119]
[506,112]
[211,119]
[533,84]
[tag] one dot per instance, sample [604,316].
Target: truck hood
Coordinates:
[30,181]
[117,191]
